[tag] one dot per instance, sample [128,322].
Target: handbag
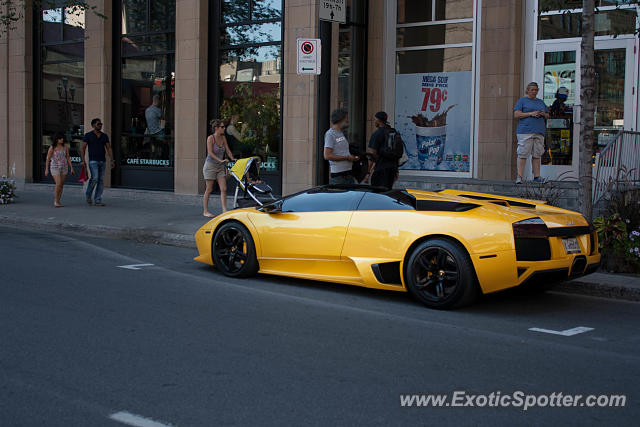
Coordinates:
[83,174]
[403,159]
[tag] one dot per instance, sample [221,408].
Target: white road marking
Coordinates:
[565,333]
[135,420]
[134,266]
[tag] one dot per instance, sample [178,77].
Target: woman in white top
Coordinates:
[58,163]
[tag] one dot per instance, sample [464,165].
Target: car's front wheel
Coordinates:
[440,274]
[234,252]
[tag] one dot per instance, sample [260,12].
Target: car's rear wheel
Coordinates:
[440,274]
[234,252]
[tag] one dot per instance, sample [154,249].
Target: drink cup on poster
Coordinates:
[431,142]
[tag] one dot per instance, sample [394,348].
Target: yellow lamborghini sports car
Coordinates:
[443,247]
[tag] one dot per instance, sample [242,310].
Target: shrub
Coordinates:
[619,236]
[7,190]
[546,192]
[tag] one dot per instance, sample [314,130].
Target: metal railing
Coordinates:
[617,164]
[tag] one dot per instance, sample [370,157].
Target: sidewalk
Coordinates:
[146,216]
[172,219]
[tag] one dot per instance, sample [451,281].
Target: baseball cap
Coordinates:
[562,92]
[382,116]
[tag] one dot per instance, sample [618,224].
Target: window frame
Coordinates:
[390,61]
[215,51]
[38,46]
[162,174]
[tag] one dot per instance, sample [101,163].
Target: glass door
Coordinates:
[558,65]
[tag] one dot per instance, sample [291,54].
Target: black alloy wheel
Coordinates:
[440,274]
[234,252]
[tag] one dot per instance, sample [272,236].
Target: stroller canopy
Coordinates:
[242,167]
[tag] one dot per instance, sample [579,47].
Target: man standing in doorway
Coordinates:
[531,113]
[384,169]
[98,143]
[336,150]
[153,116]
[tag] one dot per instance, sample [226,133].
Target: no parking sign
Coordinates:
[309,56]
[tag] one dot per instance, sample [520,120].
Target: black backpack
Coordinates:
[393,146]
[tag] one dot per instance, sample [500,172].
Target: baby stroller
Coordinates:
[246,173]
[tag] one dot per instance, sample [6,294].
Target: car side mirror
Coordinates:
[272,208]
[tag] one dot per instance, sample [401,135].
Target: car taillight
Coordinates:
[532,227]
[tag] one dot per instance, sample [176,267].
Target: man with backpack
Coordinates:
[387,148]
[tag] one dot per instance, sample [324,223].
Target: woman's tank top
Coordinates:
[218,151]
[59,159]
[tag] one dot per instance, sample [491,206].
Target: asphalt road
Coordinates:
[82,339]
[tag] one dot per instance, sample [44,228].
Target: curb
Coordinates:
[581,287]
[136,234]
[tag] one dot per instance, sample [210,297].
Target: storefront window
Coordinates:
[547,5]
[249,78]
[610,82]
[567,25]
[433,90]
[435,34]
[352,82]
[410,11]
[146,85]
[61,85]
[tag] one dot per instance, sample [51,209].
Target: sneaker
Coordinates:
[519,180]
[99,204]
[539,180]
[89,202]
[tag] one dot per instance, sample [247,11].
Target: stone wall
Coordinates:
[500,87]
[191,95]
[299,104]
[98,70]
[16,100]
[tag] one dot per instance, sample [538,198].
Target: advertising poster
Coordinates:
[433,115]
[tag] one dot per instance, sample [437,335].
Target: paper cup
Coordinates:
[430,141]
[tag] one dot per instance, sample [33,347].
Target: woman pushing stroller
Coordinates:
[215,165]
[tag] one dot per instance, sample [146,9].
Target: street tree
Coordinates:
[587,99]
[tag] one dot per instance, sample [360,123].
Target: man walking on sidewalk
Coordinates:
[98,143]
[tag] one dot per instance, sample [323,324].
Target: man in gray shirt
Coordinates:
[336,150]
[153,115]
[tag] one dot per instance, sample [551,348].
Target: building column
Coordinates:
[4,102]
[375,61]
[98,70]
[191,95]
[299,103]
[16,100]
[500,87]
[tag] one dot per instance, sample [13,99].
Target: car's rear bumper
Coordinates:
[552,271]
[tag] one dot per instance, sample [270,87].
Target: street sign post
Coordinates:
[309,58]
[333,10]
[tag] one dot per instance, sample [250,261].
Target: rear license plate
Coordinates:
[571,245]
